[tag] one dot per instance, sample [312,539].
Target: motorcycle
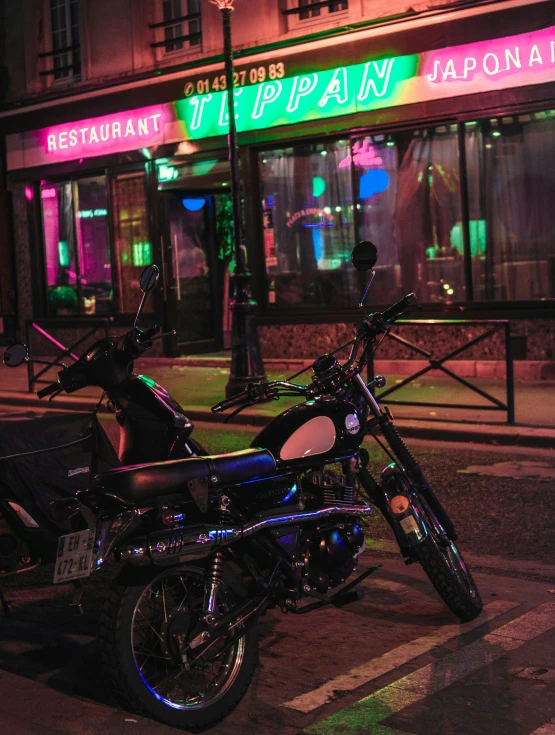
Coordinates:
[208,544]
[73,447]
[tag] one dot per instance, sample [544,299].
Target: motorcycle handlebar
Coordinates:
[390,314]
[52,388]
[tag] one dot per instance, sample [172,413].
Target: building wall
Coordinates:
[116,38]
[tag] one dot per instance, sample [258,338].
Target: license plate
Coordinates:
[74,556]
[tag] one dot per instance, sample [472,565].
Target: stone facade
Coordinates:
[310,340]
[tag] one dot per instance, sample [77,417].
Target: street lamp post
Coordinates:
[246,358]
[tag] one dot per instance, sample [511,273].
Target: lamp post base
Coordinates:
[246,358]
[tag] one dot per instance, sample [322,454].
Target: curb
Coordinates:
[523,436]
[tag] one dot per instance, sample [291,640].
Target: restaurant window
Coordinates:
[77,247]
[511,189]
[66,44]
[306,11]
[308,225]
[132,246]
[180,24]
[408,205]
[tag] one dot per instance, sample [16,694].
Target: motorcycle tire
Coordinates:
[144,622]
[442,561]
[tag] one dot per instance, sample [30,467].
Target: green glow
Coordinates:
[330,93]
[148,381]
[142,254]
[64,256]
[167,173]
[318,186]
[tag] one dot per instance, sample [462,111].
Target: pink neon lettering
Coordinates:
[93,138]
[486,66]
[535,56]
[142,126]
[154,118]
[512,57]
[469,65]
[116,130]
[73,138]
[83,131]
[129,129]
[51,142]
[62,140]
[104,132]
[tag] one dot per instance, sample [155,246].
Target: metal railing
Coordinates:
[435,363]
[65,352]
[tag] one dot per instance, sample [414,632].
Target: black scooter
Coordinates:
[53,457]
[209,543]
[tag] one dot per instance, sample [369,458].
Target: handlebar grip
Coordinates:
[147,334]
[52,388]
[390,314]
[230,402]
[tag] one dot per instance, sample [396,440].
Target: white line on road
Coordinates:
[439,675]
[393,659]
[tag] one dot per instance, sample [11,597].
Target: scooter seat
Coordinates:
[141,482]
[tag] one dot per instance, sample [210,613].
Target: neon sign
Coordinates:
[501,63]
[90,213]
[326,219]
[119,132]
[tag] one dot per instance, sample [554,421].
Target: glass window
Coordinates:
[308,225]
[77,247]
[408,205]
[64,22]
[512,219]
[59,248]
[332,7]
[187,12]
[133,249]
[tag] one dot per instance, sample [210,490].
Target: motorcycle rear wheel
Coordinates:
[144,625]
[442,561]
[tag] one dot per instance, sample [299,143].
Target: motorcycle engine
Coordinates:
[331,555]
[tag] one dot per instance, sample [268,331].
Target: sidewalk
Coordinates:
[199,382]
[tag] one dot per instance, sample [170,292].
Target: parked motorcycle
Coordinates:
[51,458]
[209,543]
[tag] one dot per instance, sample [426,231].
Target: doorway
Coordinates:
[195,257]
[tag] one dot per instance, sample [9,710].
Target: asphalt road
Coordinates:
[396,662]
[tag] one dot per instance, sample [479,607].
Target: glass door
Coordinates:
[193,297]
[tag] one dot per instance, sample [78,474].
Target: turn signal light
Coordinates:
[399,504]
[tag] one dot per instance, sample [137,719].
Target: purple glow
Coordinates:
[28,193]
[363,155]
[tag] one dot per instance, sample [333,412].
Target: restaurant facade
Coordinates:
[433,136]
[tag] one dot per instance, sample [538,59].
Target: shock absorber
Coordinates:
[215,571]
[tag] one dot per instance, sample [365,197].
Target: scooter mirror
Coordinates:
[149,278]
[16,355]
[364,256]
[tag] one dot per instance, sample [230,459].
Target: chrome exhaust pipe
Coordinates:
[166,547]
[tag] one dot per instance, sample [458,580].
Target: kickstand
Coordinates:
[75,603]
[4,603]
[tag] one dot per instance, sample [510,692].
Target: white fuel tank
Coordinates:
[316,436]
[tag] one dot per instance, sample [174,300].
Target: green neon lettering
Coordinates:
[302,86]
[336,89]
[267,93]
[373,76]
[223,120]
[198,103]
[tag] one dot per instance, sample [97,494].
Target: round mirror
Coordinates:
[364,256]
[149,278]
[16,355]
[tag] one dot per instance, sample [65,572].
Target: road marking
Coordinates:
[393,659]
[364,715]
[547,729]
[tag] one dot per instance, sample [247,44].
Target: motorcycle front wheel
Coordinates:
[145,627]
[442,561]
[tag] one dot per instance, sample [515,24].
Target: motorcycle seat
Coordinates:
[141,482]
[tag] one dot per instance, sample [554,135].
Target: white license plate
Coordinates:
[74,557]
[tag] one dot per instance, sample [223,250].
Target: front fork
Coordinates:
[402,485]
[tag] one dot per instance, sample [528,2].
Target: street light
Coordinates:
[246,358]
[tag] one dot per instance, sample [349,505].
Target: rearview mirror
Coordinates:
[364,256]
[149,278]
[16,354]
